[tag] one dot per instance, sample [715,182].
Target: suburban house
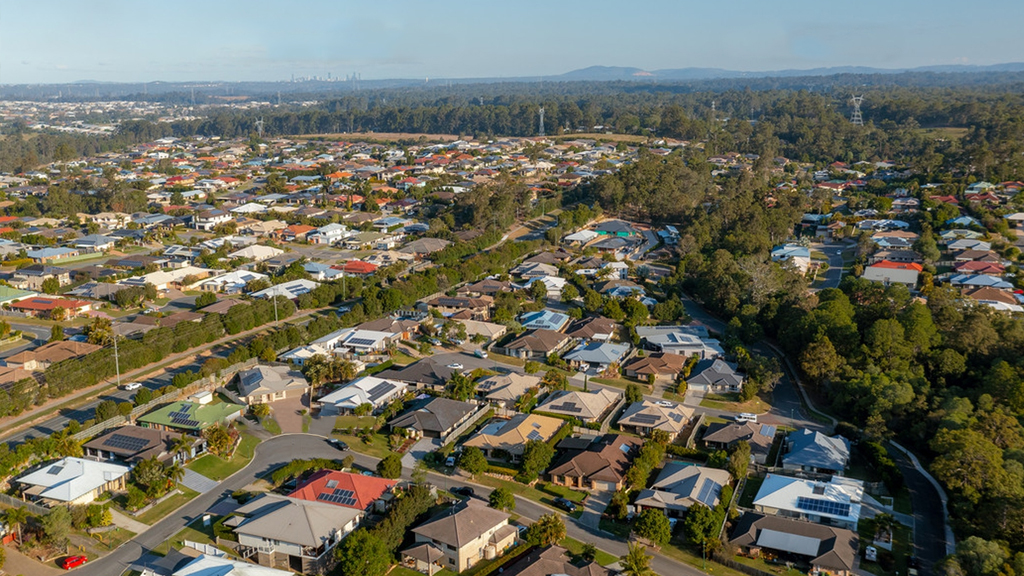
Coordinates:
[41,307]
[463,308]
[47,255]
[663,365]
[586,406]
[230,283]
[426,373]
[544,320]
[553,560]
[504,389]
[887,272]
[206,565]
[95,243]
[725,435]
[328,234]
[535,344]
[595,464]
[794,256]
[459,539]
[597,355]
[642,417]
[616,228]
[596,328]
[836,502]
[716,376]
[437,418]
[40,358]
[377,392]
[191,416]
[290,290]
[207,220]
[424,247]
[32,277]
[508,438]
[263,384]
[344,489]
[291,533]
[681,340]
[404,328]
[681,485]
[811,451]
[73,481]
[485,287]
[132,444]
[828,550]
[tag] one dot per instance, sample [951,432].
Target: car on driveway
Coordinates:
[565,504]
[73,562]
[338,444]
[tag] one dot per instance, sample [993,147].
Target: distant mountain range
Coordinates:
[625,73]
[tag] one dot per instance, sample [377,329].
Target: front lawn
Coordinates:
[901,549]
[575,547]
[730,403]
[347,422]
[750,491]
[621,383]
[271,425]
[544,493]
[161,510]
[216,468]
[377,447]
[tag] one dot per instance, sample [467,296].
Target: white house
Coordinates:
[257,252]
[328,234]
[290,290]
[377,392]
[836,502]
[230,283]
[793,255]
[73,481]
[210,219]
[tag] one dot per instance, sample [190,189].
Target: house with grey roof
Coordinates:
[377,392]
[725,435]
[263,384]
[299,535]
[461,538]
[437,418]
[828,549]
[72,481]
[715,376]
[599,355]
[587,406]
[642,418]
[681,485]
[535,344]
[812,451]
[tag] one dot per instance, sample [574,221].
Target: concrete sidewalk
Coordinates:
[122,521]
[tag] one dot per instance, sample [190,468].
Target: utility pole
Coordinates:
[117,362]
[275,309]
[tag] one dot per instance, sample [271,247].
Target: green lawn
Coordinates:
[576,496]
[620,529]
[544,493]
[202,535]
[731,403]
[683,553]
[343,422]
[377,447]
[502,359]
[271,425]
[575,547]
[402,359]
[901,502]
[158,512]
[619,382]
[216,468]
[113,539]
[307,419]
[768,567]
[900,550]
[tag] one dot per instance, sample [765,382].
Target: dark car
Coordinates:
[463,491]
[564,504]
[338,444]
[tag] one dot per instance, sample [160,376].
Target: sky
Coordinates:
[63,41]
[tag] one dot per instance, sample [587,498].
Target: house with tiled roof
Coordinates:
[43,307]
[826,549]
[508,438]
[535,344]
[436,418]
[504,389]
[263,384]
[663,365]
[344,489]
[460,538]
[599,465]
[641,418]
[51,353]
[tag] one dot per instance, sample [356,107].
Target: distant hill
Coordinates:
[625,73]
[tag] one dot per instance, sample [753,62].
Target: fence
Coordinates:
[206,383]
[484,408]
[207,549]
[16,503]
[729,562]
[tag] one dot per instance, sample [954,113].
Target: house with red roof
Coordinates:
[44,307]
[357,268]
[293,232]
[345,489]
[980,267]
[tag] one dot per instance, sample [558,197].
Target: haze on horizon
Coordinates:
[52,41]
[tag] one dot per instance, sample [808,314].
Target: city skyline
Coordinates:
[114,41]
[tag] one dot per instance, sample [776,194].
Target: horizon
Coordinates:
[113,41]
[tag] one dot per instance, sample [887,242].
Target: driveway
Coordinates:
[288,413]
[419,451]
[196,481]
[593,507]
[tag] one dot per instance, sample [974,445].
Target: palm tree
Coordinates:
[67,445]
[547,530]
[175,473]
[636,562]
[182,446]
[16,518]
[261,410]
[884,523]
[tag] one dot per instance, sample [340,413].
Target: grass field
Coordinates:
[750,491]
[158,512]
[378,446]
[271,425]
[575,547]
[731,403]
[541,492]
[216,468]
[343,422]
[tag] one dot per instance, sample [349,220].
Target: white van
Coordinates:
[746,417]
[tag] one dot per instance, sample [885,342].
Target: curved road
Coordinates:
[280,450]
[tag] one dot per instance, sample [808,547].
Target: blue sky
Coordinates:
[51,41]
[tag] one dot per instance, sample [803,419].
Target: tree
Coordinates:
[390,466]
[56,334]
[364,554]
[16,518]
[588,552]
[739,460]
[618,507]
[473,460]
[569,293]
[261,410]
[205,299]
[51,285]
[699,524]
[150,475]
[592,301]
[182,446]
[218,439]
[502,499]
[653,525]
[537,455]
[634,393]
[614,311]
[175,473]
[106,410]
[539,291]
[143,396]
[636,562]
[57,526]
[460,387]
[547,530]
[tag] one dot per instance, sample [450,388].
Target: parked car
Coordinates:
[462,491]
[132,386]
[434,341]
[746,417]
[450,462]
[338,444]
[565,504]
[456,366]
[480,353]
[73,562]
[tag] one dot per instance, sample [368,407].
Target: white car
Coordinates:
[132,386]
[665,403]
[456,366]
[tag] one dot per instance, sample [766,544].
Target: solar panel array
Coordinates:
[568,407]
[767,430]
[338,496]
[123,442]
[644,418]
[534,435]
[822,506]
[360,342]
[709,490]
[379,390]
[183,418]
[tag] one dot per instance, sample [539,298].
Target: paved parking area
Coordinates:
[288,413]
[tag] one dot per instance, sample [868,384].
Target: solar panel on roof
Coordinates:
[379,390]
[645,418]
[709,490]
[823,506]
[123,442]
[361,341]
[767,430]
[344,493]
[534,435]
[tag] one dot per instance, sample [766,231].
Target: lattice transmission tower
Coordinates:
[856,119]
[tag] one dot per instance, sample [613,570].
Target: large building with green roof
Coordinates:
[191,416]
[9,294]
